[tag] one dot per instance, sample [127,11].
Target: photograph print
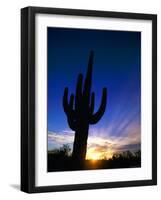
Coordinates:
[93,99]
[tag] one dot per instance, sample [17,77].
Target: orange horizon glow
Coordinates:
[93,154]
[100,147]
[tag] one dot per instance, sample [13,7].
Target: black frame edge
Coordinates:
[94,13]
[24,101]
[154,99]
[27,102]
[93,186]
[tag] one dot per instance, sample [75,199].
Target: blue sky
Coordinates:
[117,66]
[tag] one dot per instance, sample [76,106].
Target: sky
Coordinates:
[117,66]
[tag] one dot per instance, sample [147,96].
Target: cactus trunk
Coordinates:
[80,144]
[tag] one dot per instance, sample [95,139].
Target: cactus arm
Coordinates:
[94,118]
[88,79]
[71,101]
[78,92]
[65,100]
[68,107]
[72,124]
[91,106]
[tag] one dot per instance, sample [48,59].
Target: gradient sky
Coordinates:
[117,65]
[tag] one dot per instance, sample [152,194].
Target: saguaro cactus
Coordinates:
[80,111]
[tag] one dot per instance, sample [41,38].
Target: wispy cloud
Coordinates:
[99,141]
[57,139]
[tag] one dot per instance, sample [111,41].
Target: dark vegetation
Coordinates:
[80,111]
[61,160]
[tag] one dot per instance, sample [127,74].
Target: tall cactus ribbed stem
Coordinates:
[80,110]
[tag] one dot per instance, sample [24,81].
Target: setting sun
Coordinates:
[93,154]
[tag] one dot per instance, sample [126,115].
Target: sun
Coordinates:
[92,155]
[95,156]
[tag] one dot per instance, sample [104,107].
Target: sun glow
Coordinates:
[93,154]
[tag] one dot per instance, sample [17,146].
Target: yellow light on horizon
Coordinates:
[92,154]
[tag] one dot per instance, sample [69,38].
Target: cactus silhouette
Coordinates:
[80,113]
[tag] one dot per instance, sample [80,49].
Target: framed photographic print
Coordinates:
[88,99]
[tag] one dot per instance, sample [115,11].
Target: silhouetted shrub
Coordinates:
[61,160]
[64,151]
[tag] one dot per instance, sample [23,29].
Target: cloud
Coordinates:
[131,147]
[99,141]
[56,140]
